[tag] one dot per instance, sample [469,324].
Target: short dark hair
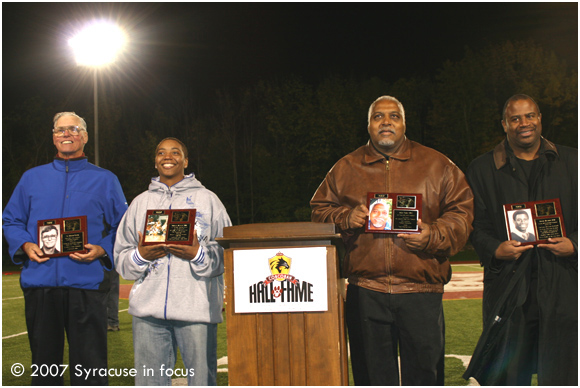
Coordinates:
[517,97]
[48,229]
[518,212]
[182,144]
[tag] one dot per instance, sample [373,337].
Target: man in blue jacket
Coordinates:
[66,293]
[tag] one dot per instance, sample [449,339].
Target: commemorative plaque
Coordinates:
[169,226]
[62,236]
[393,213]
[534,222]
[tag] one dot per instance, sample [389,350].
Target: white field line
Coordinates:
[465,360]
[14,335]
[16,297]
[19,334]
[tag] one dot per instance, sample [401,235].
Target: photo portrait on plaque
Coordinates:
[393,212]
[49,239]
[380,214]
[169,226]
[156,228]
[534,222]
[522,229]
[62,236]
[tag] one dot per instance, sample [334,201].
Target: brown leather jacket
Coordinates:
[382,262]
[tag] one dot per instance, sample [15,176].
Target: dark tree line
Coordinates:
[264,150]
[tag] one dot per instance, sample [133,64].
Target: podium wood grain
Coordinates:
[298,348]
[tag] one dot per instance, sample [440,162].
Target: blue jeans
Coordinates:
[156,341]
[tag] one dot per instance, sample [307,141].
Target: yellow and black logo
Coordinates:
[280,269]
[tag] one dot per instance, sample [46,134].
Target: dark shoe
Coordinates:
[113,328]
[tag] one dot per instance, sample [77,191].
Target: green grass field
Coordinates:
[462,317]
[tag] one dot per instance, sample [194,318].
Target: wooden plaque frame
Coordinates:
[71,235]
[545,219]
[404,211]
[169,226]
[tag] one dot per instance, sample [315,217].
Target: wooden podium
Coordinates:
[286,348]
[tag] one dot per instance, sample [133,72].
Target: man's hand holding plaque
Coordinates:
[93,253]
[417,242]
[538,223]
[34,252]
[560,246]
[510,250]
[357,217]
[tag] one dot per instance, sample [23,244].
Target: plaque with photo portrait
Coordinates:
[169,226]
[62,236]
[534,222]
[393,213]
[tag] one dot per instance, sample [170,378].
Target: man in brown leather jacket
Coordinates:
[394,298]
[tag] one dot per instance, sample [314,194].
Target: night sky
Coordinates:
[204,46]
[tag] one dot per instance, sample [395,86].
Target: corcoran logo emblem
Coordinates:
[280,269]
[288,290]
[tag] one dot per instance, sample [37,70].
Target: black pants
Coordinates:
[83,315]
[381,325]
[524,334]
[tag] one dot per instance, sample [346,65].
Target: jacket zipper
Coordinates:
[63,200]
[65,187]
[388,241]
[168,270]
[167,288]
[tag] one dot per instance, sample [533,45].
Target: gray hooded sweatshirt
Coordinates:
[170,287]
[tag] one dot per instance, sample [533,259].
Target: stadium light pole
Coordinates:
[95,46]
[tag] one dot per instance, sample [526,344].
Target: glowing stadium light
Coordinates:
[95,46]
[98,44]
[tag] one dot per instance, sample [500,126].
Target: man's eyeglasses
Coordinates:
[72,129]
[49,237]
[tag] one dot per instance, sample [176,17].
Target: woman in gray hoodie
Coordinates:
[177,297]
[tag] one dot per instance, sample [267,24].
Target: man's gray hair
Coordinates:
[388,98]
[61,114]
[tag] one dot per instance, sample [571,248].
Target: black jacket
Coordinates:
[496,179]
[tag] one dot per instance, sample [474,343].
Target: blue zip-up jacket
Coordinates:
[64,188]
[170,287]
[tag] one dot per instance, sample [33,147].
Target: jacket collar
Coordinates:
[502,152]
[75,164]
[188,182]
[372,155]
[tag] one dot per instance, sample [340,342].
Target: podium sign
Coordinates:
[280,280]
[300,337]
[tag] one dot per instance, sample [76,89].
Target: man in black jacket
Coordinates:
[530,299]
